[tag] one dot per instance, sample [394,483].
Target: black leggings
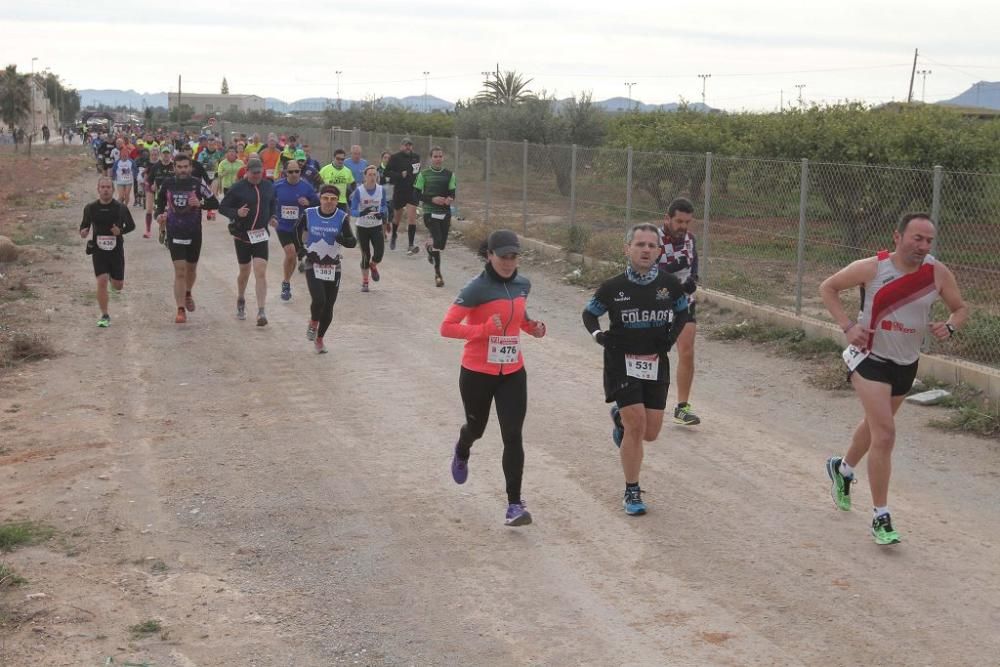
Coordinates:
[510,392]
[324,295]
[371,238]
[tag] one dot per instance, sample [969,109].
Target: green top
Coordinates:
[229,171]
[435,183]
[339,176]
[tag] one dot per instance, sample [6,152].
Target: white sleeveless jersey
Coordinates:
[897,307]
[371,201]
[677,258]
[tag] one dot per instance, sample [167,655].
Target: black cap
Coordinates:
[503,242]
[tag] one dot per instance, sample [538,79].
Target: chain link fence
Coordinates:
[768,230]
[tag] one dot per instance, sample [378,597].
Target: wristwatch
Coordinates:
[951,329]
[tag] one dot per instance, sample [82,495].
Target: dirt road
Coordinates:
[269,506]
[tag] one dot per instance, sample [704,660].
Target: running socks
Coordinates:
[846,470]
[395,230]
[631,485]
[411,234]
[879,511]
[436,254]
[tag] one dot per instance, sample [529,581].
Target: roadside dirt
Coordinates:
[268,506]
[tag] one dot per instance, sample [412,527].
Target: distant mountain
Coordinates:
[113,98]
[983,94]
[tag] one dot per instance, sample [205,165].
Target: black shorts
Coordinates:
[898,376]
[246,251]
[285,238]
[652,395]
[402,196]
[109,262]
[184,250]
[438,229]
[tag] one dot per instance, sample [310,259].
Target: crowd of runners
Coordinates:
[316,211]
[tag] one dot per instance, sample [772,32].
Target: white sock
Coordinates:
[879,511]
[846,470]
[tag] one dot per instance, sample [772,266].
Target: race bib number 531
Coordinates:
[642,366]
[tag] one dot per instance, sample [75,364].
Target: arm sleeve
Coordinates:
[313,197]
[209,201]
[694,259]
[452,326]
[681,312]
[85,223]
[300,231]
[355,203]
[452,186]
[272,205]
[228,206]
[161,199]
[592,312]
[391,173]
[383,207]
[127,223]
[346,237]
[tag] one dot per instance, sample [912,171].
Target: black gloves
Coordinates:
[690,285]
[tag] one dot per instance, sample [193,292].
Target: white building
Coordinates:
[45,113]
[207,105]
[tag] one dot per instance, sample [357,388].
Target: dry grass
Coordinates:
[19,347]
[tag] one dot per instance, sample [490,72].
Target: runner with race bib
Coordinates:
[107,219]
[293,195]
[897,291]
[647,309]
[369,209]
[321,232]
[490,314]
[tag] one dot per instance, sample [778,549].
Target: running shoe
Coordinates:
[618,432]
[147,235]
[261,319]
[241,309]
[413,250]
[632,502]
[517,515]
[189,302]
[320,347]
[459,468]
[439,280]
[286,291]
[311,330]
[375,273]
[840,488]
[104,322]
[181,316]
[392,243]
[364,287]
[302,266]
[684,416]
[882,530]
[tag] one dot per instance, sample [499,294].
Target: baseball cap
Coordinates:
[406,140]
[300,154]
[503,242]
[254,164]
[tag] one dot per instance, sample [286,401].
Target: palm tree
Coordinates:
[509,89]
[15,96]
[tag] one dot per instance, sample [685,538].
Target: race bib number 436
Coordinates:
[642,366]
[503,349]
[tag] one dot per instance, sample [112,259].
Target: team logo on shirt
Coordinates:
[662,294]
[622,297]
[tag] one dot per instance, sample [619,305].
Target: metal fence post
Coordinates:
[388,146]
[524,187]
[628,189]
[572,187]
[455,139]
[703,266]
[430,145]
[355,136]
[803,202]
[333,141]
[486,214]
[936,207]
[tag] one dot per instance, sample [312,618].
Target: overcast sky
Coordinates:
[753,50]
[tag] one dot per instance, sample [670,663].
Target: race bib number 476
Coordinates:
[503,349]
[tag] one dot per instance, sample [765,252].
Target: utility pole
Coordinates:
[33,59]
[426,74]
[781,101]
[629,84]
[179,126]
[800,86]
[339,72]
[923,83]
[704,79]
[913,74]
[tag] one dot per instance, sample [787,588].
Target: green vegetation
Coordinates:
[19,533]
[145,628]
[8,577]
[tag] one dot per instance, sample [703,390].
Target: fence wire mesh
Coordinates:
[774,229]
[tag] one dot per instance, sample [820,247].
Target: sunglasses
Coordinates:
[293,171]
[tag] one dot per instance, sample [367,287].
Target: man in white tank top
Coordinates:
[897,291]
